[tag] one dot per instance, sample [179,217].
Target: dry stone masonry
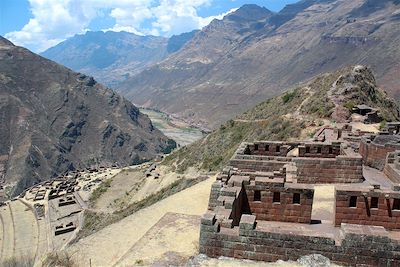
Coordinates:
[261,205]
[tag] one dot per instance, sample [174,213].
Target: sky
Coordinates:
[41,24]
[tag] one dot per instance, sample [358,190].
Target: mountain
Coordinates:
[294,115]
[253,54]
[111,57]
[176,42]
[54,120]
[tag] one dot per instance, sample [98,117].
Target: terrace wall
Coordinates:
[359,245]
[342,169]
[268,148]
[363,214]
[285,210]
[258,163]
[374,155]
[319,150]
[392,166]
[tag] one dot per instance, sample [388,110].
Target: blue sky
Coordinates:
[40,24]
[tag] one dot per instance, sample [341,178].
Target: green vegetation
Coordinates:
[382,125]
[349,105]
[95,221]
[276,106]
[139,262]
[171,146]
[288,97]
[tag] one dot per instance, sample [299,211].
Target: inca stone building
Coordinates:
[261,206]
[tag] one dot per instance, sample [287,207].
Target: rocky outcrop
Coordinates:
[55,120]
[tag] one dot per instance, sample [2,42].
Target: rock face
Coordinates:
[111,57]
[53,120]
[253,54]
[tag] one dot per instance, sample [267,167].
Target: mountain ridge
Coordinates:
[111,56]
[225,70]
[57,120]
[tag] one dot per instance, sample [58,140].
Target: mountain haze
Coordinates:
[54,120]
[111,57]
[253,54]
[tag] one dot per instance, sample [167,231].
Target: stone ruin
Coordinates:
[62,188]
[64,228]
[260,207]
[371,115]
[66,200]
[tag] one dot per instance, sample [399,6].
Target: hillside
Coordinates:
[54,120]
[112,57]
[296,114]
[253,54]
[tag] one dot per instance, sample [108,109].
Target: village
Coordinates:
[47,216]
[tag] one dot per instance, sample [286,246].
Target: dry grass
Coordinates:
[95,221]
[19,261]
[59,259]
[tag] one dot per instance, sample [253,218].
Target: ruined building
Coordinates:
[261,206]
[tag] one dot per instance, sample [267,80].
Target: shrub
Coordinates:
[288,97]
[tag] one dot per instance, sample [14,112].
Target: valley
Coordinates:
[174,128]
[257,138]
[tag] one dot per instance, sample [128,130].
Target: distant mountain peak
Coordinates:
[250,12]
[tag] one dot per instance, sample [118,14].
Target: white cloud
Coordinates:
[55,20]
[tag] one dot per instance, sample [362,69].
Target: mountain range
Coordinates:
[253,54]
[54,120]
[250,55]
[112,57]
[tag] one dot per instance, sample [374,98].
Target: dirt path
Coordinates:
[168,243]
[26,232]
[8,233]
[324,203]
[107,246]
[340,112]
[251,121]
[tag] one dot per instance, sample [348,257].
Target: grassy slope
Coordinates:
[268,121]
[213,151]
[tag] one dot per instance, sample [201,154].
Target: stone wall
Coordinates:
[319,150]
[282,208]
[392,166]
[355,246]
[258,163]
[374,155]
[392,173]
[315,162]
[268,148]
[385,214]
[342,169]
